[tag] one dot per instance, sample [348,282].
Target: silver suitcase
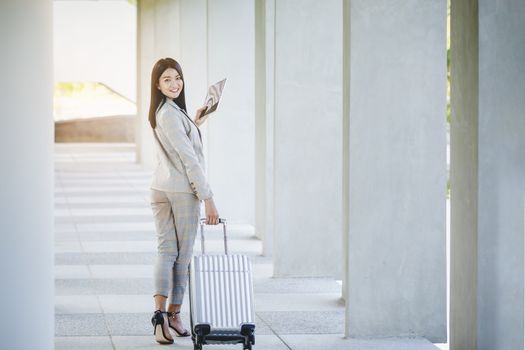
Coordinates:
[221,298]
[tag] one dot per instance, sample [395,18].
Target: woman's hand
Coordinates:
[212,215]
[199,118]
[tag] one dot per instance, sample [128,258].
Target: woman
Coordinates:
[178,186]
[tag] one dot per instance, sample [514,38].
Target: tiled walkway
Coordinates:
[104,254]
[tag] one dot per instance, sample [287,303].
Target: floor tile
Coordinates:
[121,271]
[80,325]
[103,286]
[58,212]
[124,304]
[298,302]
[101,199]
[83,343]
[115,236]
[93,188]
[72,271]
[337,342]
[68,246]
[64,227]
[88,258]
[268,284]
[263,342]
[304,322]
[67,236]
[110,219]
[75,304]
[86,193]
[111,211]
[120,246]
[115,227]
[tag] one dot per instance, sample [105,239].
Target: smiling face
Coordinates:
[170,83]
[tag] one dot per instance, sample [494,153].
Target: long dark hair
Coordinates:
[157,97]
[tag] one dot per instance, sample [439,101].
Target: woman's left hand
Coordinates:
[199,118]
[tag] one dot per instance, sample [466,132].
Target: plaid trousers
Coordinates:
[176,216]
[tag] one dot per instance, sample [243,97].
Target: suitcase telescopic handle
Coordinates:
[222,221]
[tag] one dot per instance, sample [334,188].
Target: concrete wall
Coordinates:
[396,282]
[26,154]
[307,138]
[464,175]
[501,157]
[231,129]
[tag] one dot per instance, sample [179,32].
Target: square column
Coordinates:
[464,175]
[488,175]
[501,156]
[26,178]
[395,155]
[264,29]
[231,129]
[306,138]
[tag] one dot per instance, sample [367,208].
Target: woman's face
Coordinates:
[170,83]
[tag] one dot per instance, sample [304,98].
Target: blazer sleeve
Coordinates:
[173,127]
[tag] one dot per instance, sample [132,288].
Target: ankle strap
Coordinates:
[166,312]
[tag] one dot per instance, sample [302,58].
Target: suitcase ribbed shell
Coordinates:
[222,291]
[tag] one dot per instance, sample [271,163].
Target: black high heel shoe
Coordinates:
[172,315]
[158,331]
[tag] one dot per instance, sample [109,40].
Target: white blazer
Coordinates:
[180,159]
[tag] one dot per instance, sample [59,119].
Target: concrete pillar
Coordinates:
[488,175]
[307,138]
[264,121]
[158,36]
[269,127]
[26,155]
[396,154]
[260,121]
[464,175]
[231,130]
[346,144]
[501,171]
[193,55]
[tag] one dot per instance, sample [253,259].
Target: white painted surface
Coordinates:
[396,283]
[501,157]
[26,151]
[307,148]
[231,129]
